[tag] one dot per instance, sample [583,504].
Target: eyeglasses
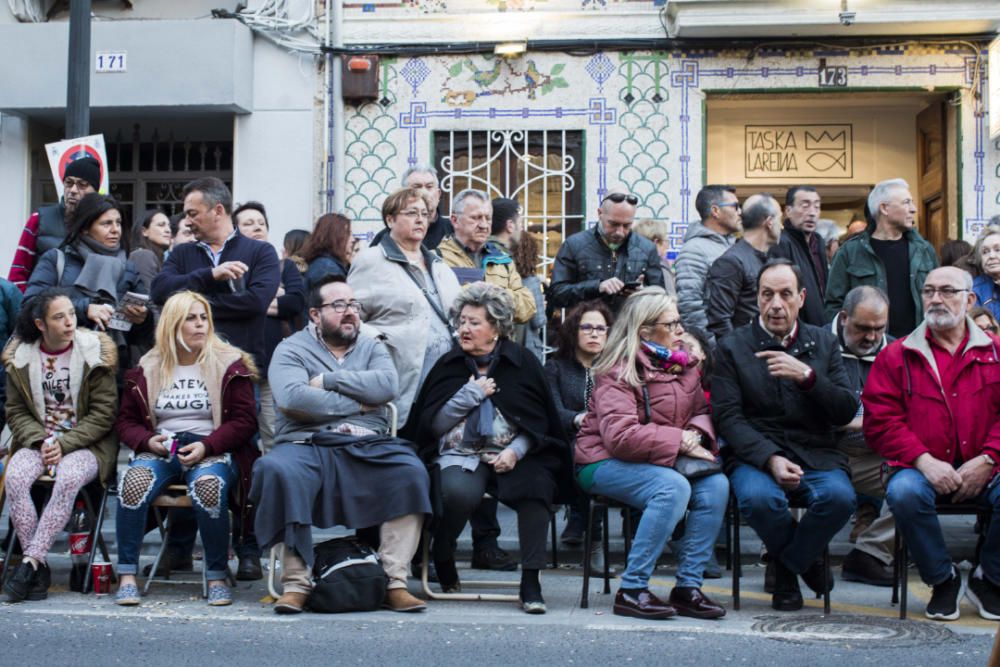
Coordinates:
[619,197]
[673,325]
[75,184]
[340,306]
[945,292]
[734,204]
[598,329]
[414,213]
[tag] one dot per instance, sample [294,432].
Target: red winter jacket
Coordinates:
[236,421]
[615,423]
[906,414]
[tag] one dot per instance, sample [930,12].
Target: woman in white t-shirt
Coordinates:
[188,412]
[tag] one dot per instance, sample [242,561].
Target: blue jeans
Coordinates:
[912,498]
[208,486]
[664,495]
[829,501]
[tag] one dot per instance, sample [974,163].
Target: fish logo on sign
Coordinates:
[827,150]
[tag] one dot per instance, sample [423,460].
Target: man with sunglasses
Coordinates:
[931,411]
[801,245]
[607,262]
[334,462]
[47,227]
[721,218]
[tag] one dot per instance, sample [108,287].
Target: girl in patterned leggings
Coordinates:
[61,403]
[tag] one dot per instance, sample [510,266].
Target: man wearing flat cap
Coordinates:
[47,227]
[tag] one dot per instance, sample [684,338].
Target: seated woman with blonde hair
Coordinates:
[188,412]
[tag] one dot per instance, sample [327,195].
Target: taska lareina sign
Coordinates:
[799,151]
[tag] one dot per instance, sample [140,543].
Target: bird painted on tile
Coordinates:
[533,77]
[485,77]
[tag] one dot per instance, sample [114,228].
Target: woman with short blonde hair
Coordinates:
[188,413]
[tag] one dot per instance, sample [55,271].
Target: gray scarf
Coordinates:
[102,269]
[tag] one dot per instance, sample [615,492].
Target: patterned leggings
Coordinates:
[74,471]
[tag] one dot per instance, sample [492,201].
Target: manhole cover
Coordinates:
[869,631]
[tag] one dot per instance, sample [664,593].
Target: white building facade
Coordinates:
[658,97]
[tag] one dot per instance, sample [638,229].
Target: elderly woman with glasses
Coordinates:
[405,292]
[986,256]
[648,409]
[486,422]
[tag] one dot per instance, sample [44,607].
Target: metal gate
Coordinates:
[541,169]
[147,174]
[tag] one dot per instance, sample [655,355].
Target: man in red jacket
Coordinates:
[931,410]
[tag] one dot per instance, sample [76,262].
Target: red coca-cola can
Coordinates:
[79,544]
[100,573]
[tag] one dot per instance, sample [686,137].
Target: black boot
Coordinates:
[23,580]
[532,601]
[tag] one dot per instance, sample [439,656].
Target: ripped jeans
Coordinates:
[208,485]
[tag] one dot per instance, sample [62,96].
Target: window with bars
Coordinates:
[541,169]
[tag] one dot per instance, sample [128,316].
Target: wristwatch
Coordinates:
[989,459]
[806,374]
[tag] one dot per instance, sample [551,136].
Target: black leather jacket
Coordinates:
[731,288]
[584,261]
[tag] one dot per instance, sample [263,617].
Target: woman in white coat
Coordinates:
[405,293]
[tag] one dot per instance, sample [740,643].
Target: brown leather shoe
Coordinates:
[642,604]
[290,603]
[689,601]
[399,599]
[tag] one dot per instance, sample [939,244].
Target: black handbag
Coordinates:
[692,468]
[347,576]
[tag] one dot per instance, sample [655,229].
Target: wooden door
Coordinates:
[932,188]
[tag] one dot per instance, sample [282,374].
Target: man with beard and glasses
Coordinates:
[931,410]
[333,463]
[860,328]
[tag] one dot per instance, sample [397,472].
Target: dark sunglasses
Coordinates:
[619,197]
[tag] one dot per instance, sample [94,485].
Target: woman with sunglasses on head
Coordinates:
[648,410]
[607,262]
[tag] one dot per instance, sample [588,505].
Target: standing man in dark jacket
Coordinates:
[731,286]
[860,329]
[803,247]
[424,177]
[606,262]
[890,255]
[239,276]
[778,392]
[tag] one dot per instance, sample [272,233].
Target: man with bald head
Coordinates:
[860,327]
[731,286]
[931,411]
[607,262]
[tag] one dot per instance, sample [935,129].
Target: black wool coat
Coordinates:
[759,416]
[523,398]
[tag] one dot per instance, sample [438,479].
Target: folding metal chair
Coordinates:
[96,519]
[602,504]
[900,569]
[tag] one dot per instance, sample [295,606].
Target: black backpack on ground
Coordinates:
[347,576]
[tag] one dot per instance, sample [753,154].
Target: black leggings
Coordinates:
[462,491]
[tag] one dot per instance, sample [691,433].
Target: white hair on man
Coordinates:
[882,192]
[458,203]
[419,168]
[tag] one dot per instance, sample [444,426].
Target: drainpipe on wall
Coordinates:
[335,111]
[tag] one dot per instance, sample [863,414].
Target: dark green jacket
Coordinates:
[857,264]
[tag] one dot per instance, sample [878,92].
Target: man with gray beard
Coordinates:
[931,410]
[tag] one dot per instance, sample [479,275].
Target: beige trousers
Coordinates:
[398,543]
[866,475]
